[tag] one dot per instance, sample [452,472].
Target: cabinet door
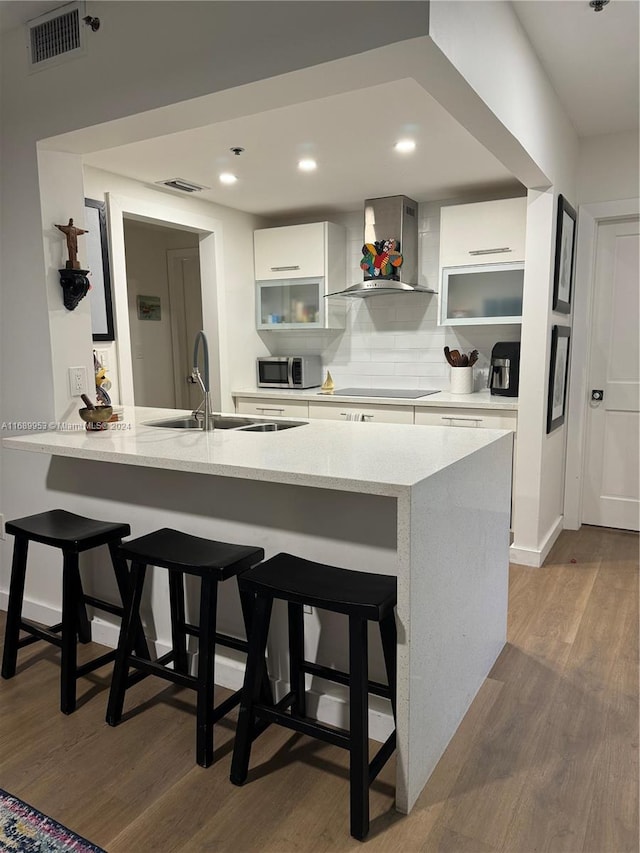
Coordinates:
[292,251]
[482,418]
[483,233]
[270,407]
[346,411]
[482,294]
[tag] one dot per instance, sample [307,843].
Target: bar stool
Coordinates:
[182,554]
[363,597]
[72,534]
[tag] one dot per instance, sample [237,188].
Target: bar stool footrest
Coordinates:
[39,632]
[311,728]
[382,756]
[154,667]
[340,677]
[96,663]
[101,604]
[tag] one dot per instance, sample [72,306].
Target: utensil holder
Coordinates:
[462,380]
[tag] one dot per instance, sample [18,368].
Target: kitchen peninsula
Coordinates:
[426,503]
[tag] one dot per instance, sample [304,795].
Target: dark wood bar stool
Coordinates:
[182,554]
[363,597]
[72,534]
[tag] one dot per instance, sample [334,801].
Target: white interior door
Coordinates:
[186,320]
[611,481]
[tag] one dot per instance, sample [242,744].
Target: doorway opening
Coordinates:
[164,299]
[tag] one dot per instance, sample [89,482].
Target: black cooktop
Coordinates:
[412,393]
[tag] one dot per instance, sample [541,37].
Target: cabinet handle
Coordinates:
[283,269]
[460,418]
[364,417]
[490,251]
[268,409]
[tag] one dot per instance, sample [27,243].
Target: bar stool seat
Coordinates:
[72,534]
[362,596]
[182,554]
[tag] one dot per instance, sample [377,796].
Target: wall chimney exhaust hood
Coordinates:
[390,251]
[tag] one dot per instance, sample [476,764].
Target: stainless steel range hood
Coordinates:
[386,219]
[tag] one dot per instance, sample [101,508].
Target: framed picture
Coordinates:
[558,376]
[565,250]
[149,308]
[98,264]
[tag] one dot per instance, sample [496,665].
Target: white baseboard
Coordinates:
[328,708]
[535,557]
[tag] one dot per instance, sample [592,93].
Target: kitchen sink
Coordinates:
[271,427]
[225,422]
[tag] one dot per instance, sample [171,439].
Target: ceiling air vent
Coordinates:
[56,37]
[182,185]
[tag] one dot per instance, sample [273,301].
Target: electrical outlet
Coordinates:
[78,381]
[3,535]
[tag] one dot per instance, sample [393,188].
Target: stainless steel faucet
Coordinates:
[203,412]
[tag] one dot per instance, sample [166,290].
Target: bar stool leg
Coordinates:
[14,607]
[253,680]
[178,636]
[247,600]
[296,657]
[83,625]
[206,670]
[359,725]
[389,639]
[70,628]
[121,573]
[126,641]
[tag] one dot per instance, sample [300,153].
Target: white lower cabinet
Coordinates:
[350,411]
[482,418]
[270,407]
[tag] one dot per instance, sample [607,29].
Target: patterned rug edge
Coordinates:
[24,829]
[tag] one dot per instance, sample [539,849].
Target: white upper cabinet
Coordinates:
[296,266]
[292,251]
[482,247]
[486,232]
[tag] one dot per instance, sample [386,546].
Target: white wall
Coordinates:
[608,168]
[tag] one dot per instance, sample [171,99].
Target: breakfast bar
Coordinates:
[428,504]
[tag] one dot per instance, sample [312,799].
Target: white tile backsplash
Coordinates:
[393,341]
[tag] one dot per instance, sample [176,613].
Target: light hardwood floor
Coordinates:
[545,760]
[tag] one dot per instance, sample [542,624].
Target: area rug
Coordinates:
[24,829]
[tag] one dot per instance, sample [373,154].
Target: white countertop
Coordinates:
[478,400]
[382,459]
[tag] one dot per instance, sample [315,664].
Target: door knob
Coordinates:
[597,394]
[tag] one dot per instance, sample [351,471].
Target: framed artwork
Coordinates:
[558,377]
[565,251]
[149,308]
[98,263]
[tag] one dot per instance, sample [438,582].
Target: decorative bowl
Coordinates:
[96,416]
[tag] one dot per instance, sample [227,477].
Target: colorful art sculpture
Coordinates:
[380,259]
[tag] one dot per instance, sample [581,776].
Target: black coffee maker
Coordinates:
[504,372]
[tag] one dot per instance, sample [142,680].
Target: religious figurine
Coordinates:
[72,233]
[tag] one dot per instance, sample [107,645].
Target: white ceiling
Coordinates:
[591,59]
[351,136]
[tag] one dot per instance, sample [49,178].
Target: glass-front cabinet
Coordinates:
[291,303]
[482,294]
[296,266]
[482,251]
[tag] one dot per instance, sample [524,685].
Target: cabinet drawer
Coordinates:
[378,414]
[272,408]
[292,251]
[483,418]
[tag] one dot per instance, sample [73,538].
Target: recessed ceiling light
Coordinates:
[227,178]
[307,165]
[405,146]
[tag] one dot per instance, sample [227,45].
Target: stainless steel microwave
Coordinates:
[289,371]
